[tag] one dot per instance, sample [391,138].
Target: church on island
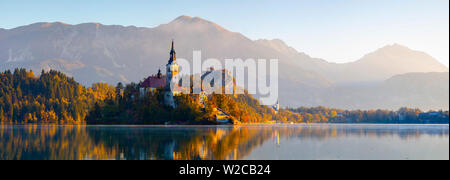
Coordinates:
[169,82]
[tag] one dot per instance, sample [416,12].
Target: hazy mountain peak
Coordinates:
[386,62]
[47,24]
[190,20]
[394,48]
[193,22]
[186,18]
[397,53]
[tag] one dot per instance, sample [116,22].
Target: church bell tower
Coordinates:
[172,67]
[172,70]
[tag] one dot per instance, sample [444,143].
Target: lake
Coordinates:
[252,142]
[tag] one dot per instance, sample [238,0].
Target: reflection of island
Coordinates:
[207,142]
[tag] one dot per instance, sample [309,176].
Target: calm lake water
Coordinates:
[284,142]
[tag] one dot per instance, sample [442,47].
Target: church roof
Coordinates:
[154,82]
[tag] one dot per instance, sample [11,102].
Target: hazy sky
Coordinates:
[336,30]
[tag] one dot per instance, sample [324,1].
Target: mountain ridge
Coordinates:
[92,52]
[188,20]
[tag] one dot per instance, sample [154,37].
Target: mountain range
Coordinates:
[388,78]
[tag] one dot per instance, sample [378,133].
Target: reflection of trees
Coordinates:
[172,143]
[206,142]
[144,142]
[50,142]
[180,143]
[226,143]
[230,142]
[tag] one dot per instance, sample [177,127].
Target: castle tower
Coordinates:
[172,70]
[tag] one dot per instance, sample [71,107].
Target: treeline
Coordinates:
[244,107]
[129,107]
[50,98]
[401,116]
[54,98]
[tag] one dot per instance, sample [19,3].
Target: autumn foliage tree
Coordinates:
[51,97]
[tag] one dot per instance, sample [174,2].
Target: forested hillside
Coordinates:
[50,98]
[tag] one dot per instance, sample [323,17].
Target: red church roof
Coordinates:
[154,82]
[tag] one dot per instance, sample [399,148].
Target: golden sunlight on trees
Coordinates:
[50,98]
[54,98]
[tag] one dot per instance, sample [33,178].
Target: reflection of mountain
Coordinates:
[94,52]
[36,142]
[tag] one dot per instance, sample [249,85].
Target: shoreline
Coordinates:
[241,125]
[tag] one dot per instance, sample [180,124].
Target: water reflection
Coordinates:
[186,143]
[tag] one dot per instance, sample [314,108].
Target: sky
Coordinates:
[335,30]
